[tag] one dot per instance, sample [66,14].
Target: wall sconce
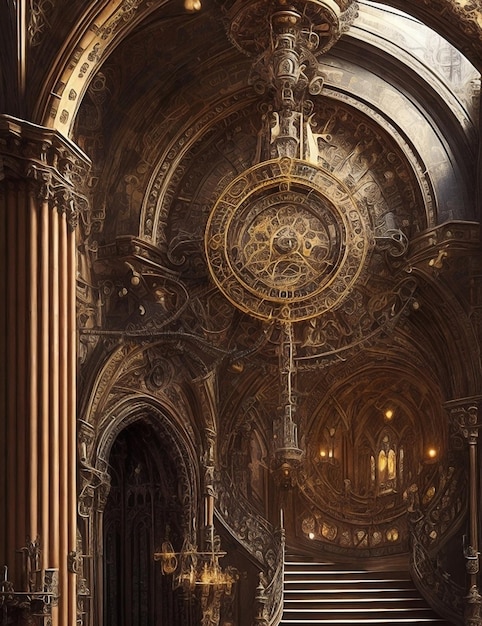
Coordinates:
[430,455]
[327,455]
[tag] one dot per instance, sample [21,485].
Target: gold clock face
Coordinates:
[286,241]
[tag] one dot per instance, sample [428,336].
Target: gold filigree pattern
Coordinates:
[286,246]
[286,240]
[324,20]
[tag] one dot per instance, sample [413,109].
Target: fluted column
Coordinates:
[465,414]
[39,210]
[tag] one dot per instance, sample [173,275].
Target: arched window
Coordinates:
[387,463]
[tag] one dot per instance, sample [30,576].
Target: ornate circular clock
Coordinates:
[286,240]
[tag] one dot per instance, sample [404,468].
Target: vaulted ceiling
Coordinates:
[164,104]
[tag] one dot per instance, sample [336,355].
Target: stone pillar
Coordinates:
[39,207]
[465,414]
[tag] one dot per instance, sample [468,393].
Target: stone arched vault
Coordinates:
[168,135]
[147,384]
[210,122]
[161,102]
[95,29]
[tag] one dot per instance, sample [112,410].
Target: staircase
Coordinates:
[324,593]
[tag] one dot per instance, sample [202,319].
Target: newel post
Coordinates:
[465,415]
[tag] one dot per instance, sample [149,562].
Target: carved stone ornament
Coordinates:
[326,21]
[286,241]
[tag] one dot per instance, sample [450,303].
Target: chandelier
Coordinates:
[193,569]
[285,242]
[199,570]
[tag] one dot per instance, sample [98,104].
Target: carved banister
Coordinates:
[436,585]
[262,542]
[269,594]
[239,518]
[432,523]
[436,521]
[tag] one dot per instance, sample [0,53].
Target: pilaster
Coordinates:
[40,204]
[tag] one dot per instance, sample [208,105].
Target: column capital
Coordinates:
[466,414]
[55,167]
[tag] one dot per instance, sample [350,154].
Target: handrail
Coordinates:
[263,542]
[431,525]
[436,585]
[435,522]
[249,528]
[269,596]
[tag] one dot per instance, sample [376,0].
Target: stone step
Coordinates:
[329,594]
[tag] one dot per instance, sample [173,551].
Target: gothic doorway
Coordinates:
[144,507]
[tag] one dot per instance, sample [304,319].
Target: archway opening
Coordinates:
[143,508]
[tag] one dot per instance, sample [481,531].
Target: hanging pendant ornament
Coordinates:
[287,454]
[286,240]
[320,22]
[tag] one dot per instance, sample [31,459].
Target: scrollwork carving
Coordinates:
[248,31]
[95,487]
[444,593]
[38,21]
[466,418]
[125,12]
[255,533]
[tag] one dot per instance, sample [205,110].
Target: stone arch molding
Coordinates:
[91,43]
[95,450]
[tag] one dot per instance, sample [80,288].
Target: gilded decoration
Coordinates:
[326,20]
[278,211]
[286,241]
[39,18]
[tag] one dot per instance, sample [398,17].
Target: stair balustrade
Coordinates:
[432,523]
[264,543]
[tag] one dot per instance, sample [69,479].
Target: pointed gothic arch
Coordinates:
[143,509]
[144,485]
